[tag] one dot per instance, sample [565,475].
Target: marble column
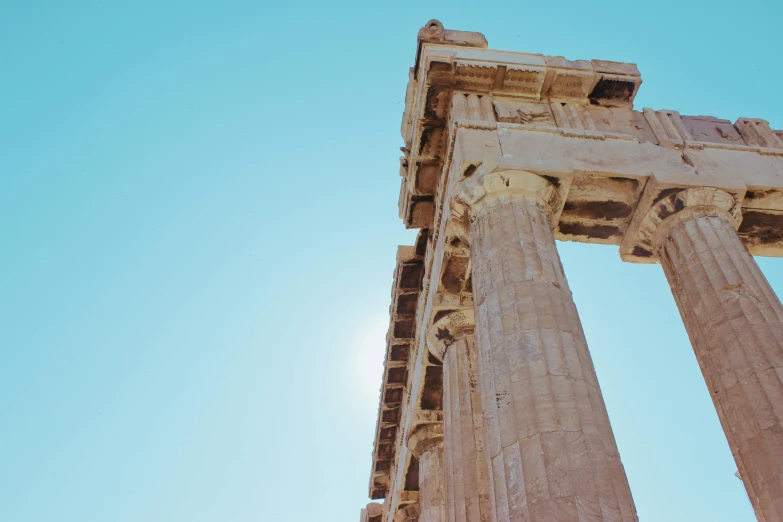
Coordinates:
[468,488]
[551,447]
[735,323]
[426,444]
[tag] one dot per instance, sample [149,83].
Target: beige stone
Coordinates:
[426,444]
[504,153]
[547,432]
[405,295]
[469,495]
[372,513]
[407,513]
[735,323]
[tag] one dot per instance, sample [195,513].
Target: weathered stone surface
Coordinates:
[573,160]
[426,444]
[372,513]
[735,323]
[544,108]
[469,496]
[546,429]
[661,200]
[468,485]
[405,295]
[407,513]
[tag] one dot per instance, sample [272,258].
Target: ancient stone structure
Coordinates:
[490,406]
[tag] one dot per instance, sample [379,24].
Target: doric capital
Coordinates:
[481,187]
[407,513]
[449,329]
[425,437]
[668,200]
[686,204]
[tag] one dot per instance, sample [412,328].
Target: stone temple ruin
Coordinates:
[490,407]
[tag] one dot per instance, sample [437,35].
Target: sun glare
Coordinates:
[370,351]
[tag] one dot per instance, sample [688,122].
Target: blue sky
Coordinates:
[198,213]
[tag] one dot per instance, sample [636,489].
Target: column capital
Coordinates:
[735,323]
[424,437]
[449,329]
[686,204]
[480,187]
[407,513]
[665,204]
[372,513]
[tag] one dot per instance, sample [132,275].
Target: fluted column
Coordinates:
[407,513]
[551,447]
[426,444]
[467,480]
[735,323]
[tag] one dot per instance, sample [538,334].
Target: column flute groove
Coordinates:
[468,481]
[547,433]
[735,324]
[426,444]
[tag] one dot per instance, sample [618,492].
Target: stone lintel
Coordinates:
[605,175]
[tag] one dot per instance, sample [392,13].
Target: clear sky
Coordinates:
[198,227]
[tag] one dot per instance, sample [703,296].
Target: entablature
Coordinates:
[604,170]
[443,67]
[582,111]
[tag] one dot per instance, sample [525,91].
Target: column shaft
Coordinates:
[547,432]
[468,489]
[735,323]
[432,500]
[426,444]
